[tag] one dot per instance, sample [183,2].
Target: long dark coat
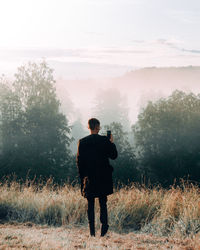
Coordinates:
[92,159]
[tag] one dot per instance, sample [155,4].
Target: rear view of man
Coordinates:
[95,172]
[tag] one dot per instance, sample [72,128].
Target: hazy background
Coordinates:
[110,58]
[94,45]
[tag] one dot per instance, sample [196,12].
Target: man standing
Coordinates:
[95,172]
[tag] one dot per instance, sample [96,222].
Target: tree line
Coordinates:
[35,136]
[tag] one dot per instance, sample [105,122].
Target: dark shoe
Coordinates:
[104,230]
[92,230]
[92,234]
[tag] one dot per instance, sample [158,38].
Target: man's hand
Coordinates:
[111,138]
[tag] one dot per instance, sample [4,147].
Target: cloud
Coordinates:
[185,16]
[138,41]
[125,51]
[176,44]
[68,53]
[169,42]
[141,53]
[191,51]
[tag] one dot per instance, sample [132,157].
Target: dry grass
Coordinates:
[160,213]
[30,236]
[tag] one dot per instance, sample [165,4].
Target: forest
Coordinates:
[37,140]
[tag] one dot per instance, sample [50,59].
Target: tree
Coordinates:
[167,137]
[10,130]
[125,166]
[77,132]
[43,134]
[110,106]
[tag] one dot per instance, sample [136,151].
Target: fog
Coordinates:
[115,94]
[137,87]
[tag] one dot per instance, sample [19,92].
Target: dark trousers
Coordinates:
[103,210]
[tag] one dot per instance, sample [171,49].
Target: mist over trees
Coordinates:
[167,138]
[37,140]
[35,136]
[110,106]
[77,132]
[125,166]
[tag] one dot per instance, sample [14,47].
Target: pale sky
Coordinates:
[99,38]
[133,33]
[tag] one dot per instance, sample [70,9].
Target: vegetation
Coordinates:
[110,105]
[34,135]
[125,166]
[36,139]
[167,138]
[32,236]
[175,212]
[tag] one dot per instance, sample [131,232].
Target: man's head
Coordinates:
[94,125]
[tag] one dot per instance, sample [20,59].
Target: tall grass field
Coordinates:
[165,213]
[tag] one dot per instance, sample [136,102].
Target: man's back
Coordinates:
[93,156]
[94,153]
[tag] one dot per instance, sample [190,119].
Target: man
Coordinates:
[95,172]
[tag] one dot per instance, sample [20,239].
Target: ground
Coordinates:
[30,236]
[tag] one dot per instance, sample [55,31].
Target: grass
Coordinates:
[31,236]
[156,211]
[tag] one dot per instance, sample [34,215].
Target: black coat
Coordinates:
[92,159]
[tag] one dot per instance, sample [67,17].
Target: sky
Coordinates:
[121,33]
[83,39]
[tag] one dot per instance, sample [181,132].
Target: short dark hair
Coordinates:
[93,122]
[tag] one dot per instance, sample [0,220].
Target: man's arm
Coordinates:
[112,150]
[79,160]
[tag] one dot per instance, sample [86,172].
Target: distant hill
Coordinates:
[139,86]
[146,78]
[172,77]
